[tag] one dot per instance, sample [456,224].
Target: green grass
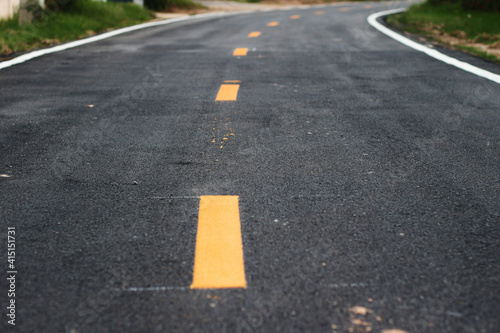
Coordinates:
[452,19]
[86,18]
[172,5]
[478,53]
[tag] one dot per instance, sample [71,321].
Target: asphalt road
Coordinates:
[368,178]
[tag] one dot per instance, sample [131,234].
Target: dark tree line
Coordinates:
[484,5]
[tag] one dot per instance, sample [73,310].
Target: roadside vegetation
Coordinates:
[172,5]
[58,24]
[469,25]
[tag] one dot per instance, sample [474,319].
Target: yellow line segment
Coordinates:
[227,92]
[294,17]
[273,24]
[319,12]
[218,261]
[240,52]
[254,34]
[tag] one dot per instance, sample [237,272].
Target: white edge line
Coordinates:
[35,54]
[70,45]
[372,19]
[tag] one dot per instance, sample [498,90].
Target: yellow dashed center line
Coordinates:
[319,12]
[240,52]
[294,17]
[218,259]
[345,9]
[254,34]
[367,6]
[273,24]
[227,92]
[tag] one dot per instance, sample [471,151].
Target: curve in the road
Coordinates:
[372,19]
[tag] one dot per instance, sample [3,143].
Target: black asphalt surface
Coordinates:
[368,176]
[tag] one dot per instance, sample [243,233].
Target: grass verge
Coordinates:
[471,31]
[86,18]
[172,5]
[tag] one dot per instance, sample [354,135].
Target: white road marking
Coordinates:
[372,19]
[70,45]
[35,54]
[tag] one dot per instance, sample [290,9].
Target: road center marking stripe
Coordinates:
[218,259]
[227,92]
[319,12]
[294,17]
[273,24]
[254,34]
[240,52]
